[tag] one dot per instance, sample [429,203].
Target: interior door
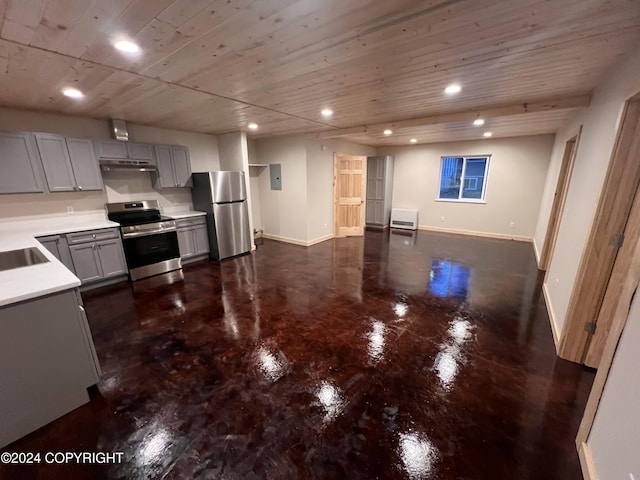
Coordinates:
[349,189]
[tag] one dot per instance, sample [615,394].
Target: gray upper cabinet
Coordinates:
[140,151]
[114,149]
[84,164]
[56,162]
[182,166]
[110,149]
[20,166]
[174,166]
[379,191]
[69,163]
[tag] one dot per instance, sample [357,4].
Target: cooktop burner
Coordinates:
[136,213]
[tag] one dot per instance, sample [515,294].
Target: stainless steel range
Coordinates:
[150,239]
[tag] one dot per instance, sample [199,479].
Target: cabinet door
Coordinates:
[164,159]
[56,163]
[86,262]
[186,243]
[201,239]
[20,165]
[51,244]
[111,257]
[110,149]
[181,166]
[84,163]
[140,151]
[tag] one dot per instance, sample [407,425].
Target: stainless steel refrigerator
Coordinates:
[223,195]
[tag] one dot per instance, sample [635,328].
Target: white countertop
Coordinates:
[45,278]
[186,214]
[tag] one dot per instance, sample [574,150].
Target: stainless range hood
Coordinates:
[118,165]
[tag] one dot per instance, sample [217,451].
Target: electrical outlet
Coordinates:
[69,209]
[512,224]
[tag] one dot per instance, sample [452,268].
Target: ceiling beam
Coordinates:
[461,116]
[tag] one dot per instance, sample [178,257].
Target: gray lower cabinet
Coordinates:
[49,360]
[69,163]
[193,239]
[99,260]
[174,166]
[379,191]
[97,254]
[57,244]
[20,165]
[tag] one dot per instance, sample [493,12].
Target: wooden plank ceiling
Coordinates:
[214,66]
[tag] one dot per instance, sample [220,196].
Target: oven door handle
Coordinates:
[149,232]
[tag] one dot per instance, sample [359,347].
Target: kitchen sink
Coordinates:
[21,258]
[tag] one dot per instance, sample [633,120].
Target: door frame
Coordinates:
[612,214]
[336,206]
[599,383]
[559,199]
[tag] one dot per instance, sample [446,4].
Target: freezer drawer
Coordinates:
[232,228]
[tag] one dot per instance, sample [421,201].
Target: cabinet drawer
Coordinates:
[191,222]
[92,235]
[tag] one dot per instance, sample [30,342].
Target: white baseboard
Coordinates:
[586,463]
[295,241]
[320,240]
[536,252]
[475,233]
[552,316]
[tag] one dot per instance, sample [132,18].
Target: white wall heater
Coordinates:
[403,218]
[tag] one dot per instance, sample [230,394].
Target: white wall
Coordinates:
[599,126]
[254,183]
[517,173]
[230,147]
[203,148]
[615,434]
[119,186]
[320,182]
[284,212]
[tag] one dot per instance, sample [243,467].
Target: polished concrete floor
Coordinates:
[419,356]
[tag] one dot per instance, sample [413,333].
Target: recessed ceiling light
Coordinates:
[326,112]
[453,89]
[487,134]
[478,122]
[387,132]
[127,46]
[72,93]
[414,140]
[253,126]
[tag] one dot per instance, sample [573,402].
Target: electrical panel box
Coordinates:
[275,173]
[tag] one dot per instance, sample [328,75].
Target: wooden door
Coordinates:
[349,185]
[559,198]
[603,244]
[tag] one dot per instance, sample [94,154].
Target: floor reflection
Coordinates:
[448,279]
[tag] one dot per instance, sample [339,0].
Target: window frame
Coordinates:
[460,199]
